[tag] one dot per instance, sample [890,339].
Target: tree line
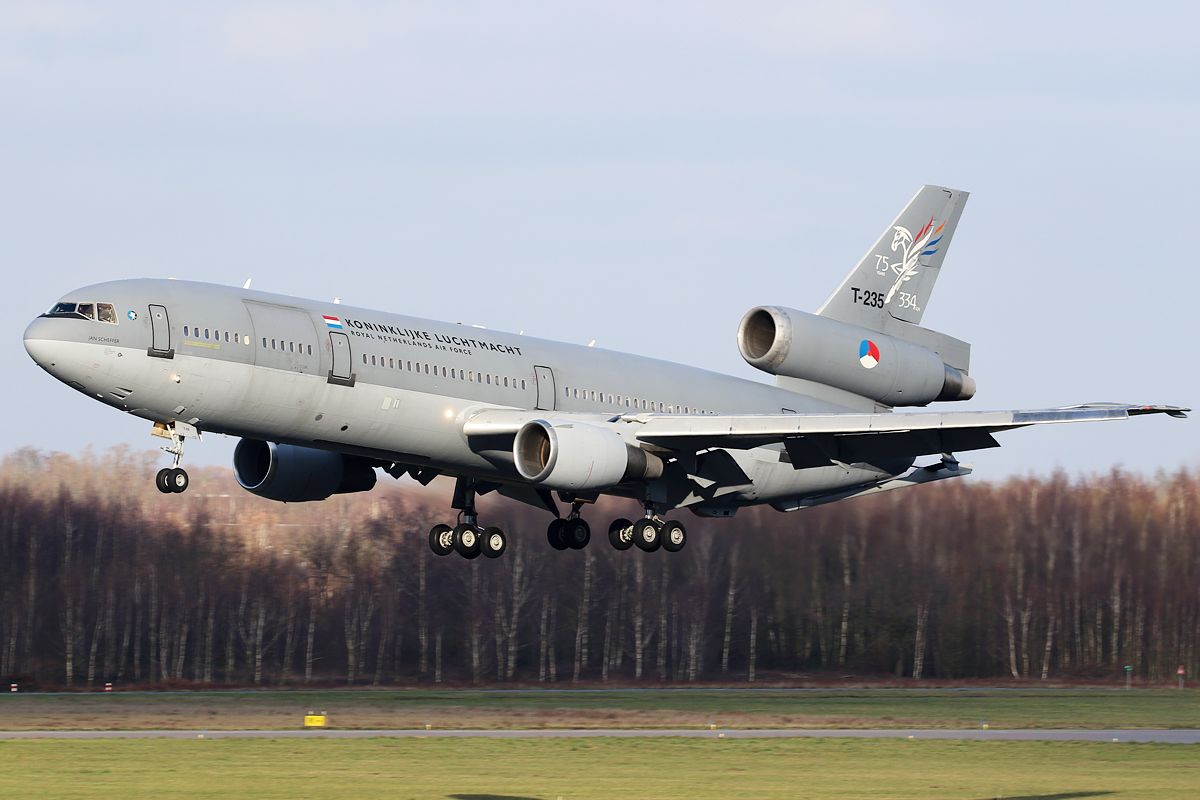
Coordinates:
[103,579]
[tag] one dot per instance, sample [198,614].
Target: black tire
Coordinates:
[577,533]
[160,480]
[554,535]
[467,540]
[674,536]
[646,535]
[178,480]
[493,543]
[441,540]
[620,534]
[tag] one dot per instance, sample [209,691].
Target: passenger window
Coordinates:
[471,376]
[87,310]
[489,380]
[106,313]
[264,343]
[506,383]
[310,349]
[364,358]
[391,363]
[227,337]
[206,333]
[185,330]
[522,383]
[291,347]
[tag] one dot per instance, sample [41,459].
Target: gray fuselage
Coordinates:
[386,386]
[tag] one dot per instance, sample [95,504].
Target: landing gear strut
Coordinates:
[467,538]
[173,479]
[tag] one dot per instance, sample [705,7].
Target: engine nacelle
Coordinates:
[783,341]
[292,474]
[572,456]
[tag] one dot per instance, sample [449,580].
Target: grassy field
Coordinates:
[857,708]
[595,768]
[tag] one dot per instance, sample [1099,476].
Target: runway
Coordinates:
[1145,735]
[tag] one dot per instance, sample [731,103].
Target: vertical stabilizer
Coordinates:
[896,276]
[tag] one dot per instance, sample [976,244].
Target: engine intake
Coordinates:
[292,474]
[577,456]
[784,341]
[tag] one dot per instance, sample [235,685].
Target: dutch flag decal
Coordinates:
[332,322]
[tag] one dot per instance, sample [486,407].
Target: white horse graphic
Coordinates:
[912,247]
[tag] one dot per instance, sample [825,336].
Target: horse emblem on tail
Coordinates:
[925,243]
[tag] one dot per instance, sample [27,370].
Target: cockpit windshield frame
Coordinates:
[88,310]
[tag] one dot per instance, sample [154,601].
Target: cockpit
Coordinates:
[97,312]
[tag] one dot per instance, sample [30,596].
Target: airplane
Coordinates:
[322,395]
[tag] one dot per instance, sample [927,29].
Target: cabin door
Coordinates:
[545,388]
[160,333]
[343,360]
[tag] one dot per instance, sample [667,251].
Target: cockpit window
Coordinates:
[104,312]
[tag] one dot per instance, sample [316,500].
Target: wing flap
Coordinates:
[821,439]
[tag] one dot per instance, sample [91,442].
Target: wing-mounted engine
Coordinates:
[887,369]
[292,474]
[573,456]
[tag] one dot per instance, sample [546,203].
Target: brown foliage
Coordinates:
[104,579]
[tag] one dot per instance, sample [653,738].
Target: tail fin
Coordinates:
[896,276]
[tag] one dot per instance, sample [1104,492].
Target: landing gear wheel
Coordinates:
[674,536]
[646,534]
[577,533]
[161,480]
[554,534]
[441,540]
[493,542]
[467,540]
[177,480]
[620,534]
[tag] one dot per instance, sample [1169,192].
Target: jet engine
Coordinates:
[784,341]
[571,456]
[292,474]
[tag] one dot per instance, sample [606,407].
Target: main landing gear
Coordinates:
[173,479]
[572,533]
[648,533]
[467,538]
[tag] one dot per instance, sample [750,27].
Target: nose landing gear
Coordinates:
[173,479]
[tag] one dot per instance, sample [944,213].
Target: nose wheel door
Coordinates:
[160,333]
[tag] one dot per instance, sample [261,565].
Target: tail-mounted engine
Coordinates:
[292,474]
[784,341]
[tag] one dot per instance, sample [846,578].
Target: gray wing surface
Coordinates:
[821,440]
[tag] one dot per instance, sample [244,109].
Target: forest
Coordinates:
[103,579]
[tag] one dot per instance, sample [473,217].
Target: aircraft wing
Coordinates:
[815,440]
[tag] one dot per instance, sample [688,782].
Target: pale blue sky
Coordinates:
[641,174]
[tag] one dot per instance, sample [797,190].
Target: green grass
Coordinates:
[595,768]
[1010,708]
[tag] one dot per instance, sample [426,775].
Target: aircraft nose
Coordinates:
[40,342]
